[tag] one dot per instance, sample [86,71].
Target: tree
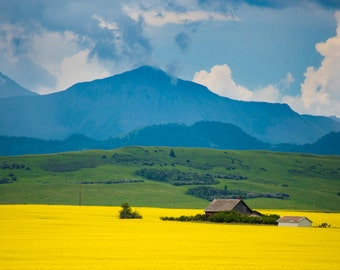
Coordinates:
[126,212]
[172,153]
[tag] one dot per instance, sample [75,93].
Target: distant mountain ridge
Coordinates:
[214,135]
[147,96]
[9,88]
[201,134]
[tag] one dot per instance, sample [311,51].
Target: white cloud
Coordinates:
[48,49]
[287,82]
[160,18]
[220,81]
[77,68]
[40,51]
[80,67]
[269,93]
[113,27]
[320,91]
[62,56]
[107,25]
[8,34]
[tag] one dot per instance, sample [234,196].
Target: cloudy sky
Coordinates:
[263,50]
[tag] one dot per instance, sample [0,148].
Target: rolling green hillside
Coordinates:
[159,177]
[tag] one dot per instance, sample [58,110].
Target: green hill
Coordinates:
[173,177]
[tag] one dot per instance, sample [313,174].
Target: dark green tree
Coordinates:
[172,153]
[126,212]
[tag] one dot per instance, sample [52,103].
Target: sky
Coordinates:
[252,50]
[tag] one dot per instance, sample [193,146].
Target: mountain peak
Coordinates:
[147,72]
[10,88]
[147,68]
[144,77]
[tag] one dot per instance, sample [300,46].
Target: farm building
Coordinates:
[294,221]
[218,205]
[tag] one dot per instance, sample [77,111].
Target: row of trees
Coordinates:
[177,177]
[13,166]
[228,217]
[210,193]
[109,182]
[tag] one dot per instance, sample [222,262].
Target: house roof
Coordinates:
[218,205]
[292,219]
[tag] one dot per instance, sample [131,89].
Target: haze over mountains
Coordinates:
[118,105]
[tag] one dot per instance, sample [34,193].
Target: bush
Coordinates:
[324,225]
[127,213]
[5,180]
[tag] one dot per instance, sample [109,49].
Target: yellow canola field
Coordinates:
[91,237]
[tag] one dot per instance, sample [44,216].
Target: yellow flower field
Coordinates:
[86,237]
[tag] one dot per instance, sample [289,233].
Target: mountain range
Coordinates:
[144,97]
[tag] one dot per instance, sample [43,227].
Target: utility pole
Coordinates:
[79,196]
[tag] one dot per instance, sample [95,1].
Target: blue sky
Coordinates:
[274,51]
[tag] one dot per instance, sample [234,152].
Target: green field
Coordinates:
[110,178]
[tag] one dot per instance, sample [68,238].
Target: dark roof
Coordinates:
[292,219]
[218,205]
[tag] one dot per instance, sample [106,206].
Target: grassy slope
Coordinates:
[311,181]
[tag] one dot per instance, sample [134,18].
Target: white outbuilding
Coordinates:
[294,221]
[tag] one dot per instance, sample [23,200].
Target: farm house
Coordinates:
[218,205]
[294,221]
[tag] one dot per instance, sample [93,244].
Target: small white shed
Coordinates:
[294,221]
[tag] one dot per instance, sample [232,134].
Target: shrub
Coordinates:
[127,213]
[324,225]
